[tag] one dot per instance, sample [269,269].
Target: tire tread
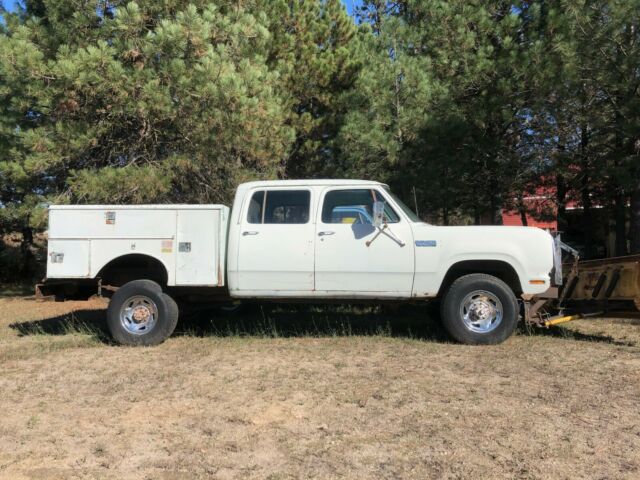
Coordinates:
[477,281]
[167,313]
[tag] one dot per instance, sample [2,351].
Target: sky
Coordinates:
[8,4]
[350,4]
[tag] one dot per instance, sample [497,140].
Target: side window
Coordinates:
[279,206]
[255,208]
[354,206]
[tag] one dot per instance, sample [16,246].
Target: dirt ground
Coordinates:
[310,393]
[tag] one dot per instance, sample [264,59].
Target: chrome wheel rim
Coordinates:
[481,311]
[138,315]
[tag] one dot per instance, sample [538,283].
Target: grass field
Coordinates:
[306,393]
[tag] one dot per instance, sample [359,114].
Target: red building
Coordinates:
[541,211]
[515,219]
[540,208]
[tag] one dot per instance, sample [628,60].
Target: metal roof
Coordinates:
[302,183]
[167,206]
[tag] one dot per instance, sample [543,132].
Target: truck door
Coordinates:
[343,261]
[275,252]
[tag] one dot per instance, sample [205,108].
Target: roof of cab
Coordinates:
[305,183]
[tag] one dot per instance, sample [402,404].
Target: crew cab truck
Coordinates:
[315,240]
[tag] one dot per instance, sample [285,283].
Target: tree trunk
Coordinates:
[587,220]
[561,200]
[522,211]
[496,209]
[634,229]
[587,214]
[445,205]
[621,224]
[523,218]
[620,200]
[25,250]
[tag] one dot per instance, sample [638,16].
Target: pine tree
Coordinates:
[315,48]
[591,100]
[394,98]
[447,101]
[139,104]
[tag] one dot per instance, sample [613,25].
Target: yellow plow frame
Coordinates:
[589,289]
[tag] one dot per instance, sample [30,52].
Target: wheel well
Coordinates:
[134,266]
[496,268]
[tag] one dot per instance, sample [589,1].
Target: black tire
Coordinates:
[150,284]
[165,316]
[174,311]
[462,290]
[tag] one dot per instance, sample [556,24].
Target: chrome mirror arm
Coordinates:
[387,231]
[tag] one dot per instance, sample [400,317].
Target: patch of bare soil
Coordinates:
[362,396]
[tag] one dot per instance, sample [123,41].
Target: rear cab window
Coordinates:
[279,206]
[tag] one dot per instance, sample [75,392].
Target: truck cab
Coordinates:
[300,239]
[317,238]
[308,239]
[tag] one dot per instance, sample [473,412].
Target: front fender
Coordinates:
[528,251]
[510,260]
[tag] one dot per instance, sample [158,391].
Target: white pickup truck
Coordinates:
[283,240]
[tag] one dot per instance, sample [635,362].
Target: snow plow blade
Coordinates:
[588,289]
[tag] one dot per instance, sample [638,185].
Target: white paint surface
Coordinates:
[345,263]
[290,260]
[94,235]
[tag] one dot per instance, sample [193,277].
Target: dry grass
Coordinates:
[333,395]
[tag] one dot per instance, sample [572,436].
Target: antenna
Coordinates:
[415,200]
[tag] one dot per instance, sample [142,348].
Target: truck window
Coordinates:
[279,206]
[354,206]
[255,208]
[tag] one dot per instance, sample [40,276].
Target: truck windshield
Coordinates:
[408,212]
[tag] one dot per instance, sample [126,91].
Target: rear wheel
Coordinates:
[140,313]
[479,309]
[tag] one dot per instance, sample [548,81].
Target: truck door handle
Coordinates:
[326,232]
[251,232]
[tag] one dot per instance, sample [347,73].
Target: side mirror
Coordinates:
[378,214]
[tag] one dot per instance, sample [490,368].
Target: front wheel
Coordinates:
[479,309]
[139,313]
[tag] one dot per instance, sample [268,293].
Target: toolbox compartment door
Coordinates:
[197,248]
[68,259]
